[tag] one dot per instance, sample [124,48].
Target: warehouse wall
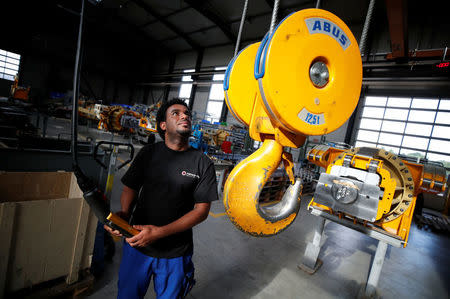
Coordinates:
[218,56]
[108,79]
[115,57]
[212,57]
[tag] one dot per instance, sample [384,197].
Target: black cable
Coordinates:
[93,196]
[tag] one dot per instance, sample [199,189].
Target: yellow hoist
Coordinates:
[304,78]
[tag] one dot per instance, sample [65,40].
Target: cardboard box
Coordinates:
[47,229]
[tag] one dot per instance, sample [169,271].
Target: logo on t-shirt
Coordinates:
[188,174]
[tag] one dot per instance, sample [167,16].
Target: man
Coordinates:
[176,185]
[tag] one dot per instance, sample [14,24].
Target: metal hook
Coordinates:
[244,185]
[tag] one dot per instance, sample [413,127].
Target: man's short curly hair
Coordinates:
[161,114]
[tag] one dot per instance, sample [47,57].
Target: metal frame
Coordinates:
[198,64]
[409,121]
[372,232]
[406,134]
[398,27]
[224,109]
[310,262]
[167,87]
[375,270]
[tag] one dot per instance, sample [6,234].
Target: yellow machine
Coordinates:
[149,124]
[302,79]
[19,92]
[113,118]
[118,119]
[148,120]
[373,187]
[87,110]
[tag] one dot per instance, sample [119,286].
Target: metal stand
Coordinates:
[104,247]
[310,262]
[111,171]
[375,271]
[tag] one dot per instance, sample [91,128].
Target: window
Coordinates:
[417,127]
[185,89]
[9,65]
[216,97]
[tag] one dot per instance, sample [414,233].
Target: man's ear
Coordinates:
[162,125]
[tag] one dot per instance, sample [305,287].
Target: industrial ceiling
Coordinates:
[402,33]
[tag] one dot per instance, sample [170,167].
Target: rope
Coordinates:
[274,15]
[244,12]
[318,4]
[363,40]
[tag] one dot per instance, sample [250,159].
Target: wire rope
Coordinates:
[276,3]
[241,25]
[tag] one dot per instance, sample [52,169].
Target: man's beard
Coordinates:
[184,132]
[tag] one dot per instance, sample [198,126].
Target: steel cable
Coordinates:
[244,13]
[276,3]
[363,40]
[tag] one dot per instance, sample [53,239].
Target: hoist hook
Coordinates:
[244,185]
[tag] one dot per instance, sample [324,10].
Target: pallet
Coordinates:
[433,222]
[57,288]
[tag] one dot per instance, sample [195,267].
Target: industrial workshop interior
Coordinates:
[224,149]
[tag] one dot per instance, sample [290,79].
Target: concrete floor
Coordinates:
[231,264]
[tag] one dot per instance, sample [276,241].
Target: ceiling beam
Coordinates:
[165,16]
[138,31]
[203,29]
[398,27]
[199,6]
[282,11]
[160,18]
[249,18]
[103,16]
[424,54]
[228,24]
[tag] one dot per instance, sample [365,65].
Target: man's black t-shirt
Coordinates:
[172,182]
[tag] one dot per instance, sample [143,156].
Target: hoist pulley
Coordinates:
[309,72]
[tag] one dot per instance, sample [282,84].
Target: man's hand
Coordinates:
[115,232]
[148,234]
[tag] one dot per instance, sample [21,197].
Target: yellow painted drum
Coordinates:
[309,72]
[239,74]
